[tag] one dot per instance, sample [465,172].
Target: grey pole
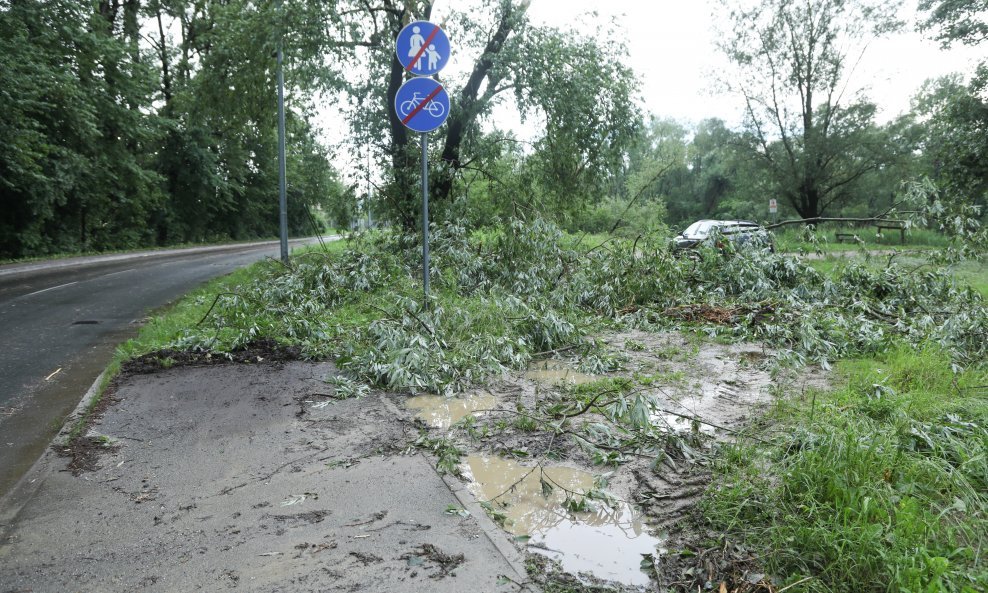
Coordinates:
[282,198]
[425,218]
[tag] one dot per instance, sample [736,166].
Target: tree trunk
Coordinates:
[464,114]
[166,79]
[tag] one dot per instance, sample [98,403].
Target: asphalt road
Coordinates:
[60,322]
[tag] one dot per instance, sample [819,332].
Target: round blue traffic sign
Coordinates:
[422,104]
[422,48]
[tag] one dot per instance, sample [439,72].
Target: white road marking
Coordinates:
[115,273]
[52,288]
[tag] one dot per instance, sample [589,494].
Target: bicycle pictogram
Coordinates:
[434,108]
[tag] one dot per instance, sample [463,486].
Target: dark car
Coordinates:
[741,233]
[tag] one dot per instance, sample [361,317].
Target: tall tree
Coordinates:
[957,114]
[794,61]
[73,173]
[553,76]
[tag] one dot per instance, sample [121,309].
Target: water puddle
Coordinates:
[443,412]
[680,424]
[605,542]
[557,372]
[714,401]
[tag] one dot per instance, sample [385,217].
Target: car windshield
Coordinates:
[699,229]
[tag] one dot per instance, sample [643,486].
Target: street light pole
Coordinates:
[282,197]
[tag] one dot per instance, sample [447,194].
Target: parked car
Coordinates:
[742,234]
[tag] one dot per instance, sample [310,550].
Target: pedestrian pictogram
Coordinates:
[422,104]
[422,48]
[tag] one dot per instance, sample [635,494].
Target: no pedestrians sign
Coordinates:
[422,48]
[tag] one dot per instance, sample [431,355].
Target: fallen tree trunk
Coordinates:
[819,219]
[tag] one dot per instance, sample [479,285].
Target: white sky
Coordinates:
[671,47]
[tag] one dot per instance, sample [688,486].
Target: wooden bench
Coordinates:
[893,227]
[846,237]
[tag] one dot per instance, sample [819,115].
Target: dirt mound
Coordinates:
[264,350]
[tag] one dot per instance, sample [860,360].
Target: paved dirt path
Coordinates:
[242,477]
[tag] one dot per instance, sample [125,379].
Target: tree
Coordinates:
[218,153]
[554,76]
[956,115]
[807,131]
[73,173]
[965,21]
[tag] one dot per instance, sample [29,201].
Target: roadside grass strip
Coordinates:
[881,485]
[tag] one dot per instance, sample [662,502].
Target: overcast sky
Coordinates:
[671,45]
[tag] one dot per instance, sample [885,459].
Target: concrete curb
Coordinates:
[494,534]
[25,488]
[62,438]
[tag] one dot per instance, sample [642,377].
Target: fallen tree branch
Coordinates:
[557,350]
[216,300]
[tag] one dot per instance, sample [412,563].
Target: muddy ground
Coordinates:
[705,394]
[255,477]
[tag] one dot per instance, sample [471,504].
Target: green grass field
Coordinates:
[878,485]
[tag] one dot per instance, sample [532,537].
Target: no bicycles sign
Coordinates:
[422,104]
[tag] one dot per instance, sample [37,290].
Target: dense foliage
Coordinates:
[143,122]
[117,137]
[524,288]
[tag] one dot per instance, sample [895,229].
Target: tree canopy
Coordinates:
[807,127]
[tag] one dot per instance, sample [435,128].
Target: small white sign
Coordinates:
[773,206]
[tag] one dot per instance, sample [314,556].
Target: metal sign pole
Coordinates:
[422,104]
[425,217]
[282,198]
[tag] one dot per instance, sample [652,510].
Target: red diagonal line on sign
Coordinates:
[422,105]
[425,44]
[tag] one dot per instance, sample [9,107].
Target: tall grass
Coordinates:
[881,485]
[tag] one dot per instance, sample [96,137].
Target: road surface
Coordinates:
[61,320]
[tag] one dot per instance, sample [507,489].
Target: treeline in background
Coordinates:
[129,123]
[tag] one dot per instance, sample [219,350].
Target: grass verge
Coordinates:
[167,324]
[881,485]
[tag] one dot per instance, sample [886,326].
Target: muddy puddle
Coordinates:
[557,372]
[705,400]
[605,542]
[443,412]
[693,385]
